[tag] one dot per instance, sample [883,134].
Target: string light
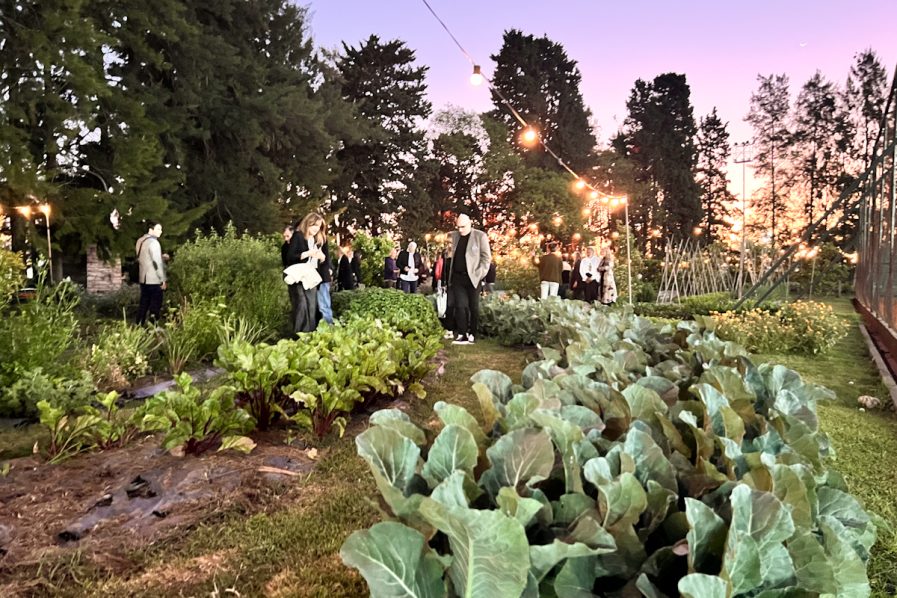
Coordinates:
[476,78]
[529,137]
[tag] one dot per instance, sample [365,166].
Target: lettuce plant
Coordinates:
[632,460]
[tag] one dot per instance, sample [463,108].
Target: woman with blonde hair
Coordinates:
[608,283]
[307,246]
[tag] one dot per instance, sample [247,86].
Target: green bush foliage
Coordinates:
[120,355]
[11,276]
[244,268]
[373,252]
[40,334]
[804,327]
[68,393]
[655,459]
[112,305]
[513,321]
[516,277]
[699,305]
[406,312]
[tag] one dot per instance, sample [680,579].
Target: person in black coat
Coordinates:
[344,273]
[306,247]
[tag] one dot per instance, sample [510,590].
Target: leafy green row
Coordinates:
[633,460]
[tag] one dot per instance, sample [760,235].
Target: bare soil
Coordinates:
[111,502]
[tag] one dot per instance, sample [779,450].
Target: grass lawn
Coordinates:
[292,550]
[865,443]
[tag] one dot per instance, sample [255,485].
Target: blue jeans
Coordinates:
[408,286]
[324,302]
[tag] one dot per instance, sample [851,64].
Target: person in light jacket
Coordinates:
[608,283]
[151,271]
[550,267]
[471,256]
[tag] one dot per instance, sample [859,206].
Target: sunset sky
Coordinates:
[721,46]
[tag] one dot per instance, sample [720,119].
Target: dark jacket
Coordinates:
[284,249]
[490,275]
[325,267]
[575,276]
[298,246]
[390,270]
[345,275]
[550,267]
[402,263]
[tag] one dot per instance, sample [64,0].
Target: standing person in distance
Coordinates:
[356,267]
[588,271]
[344,273]
[608,282]
[288,231]
[151,273]
[390,269]
[410,267]
[471,256]
[550,272]
[325,269]
[566,270]
[305,248]
[576,283]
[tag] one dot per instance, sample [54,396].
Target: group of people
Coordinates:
[590,277]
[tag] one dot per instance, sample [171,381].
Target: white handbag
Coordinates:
[441,301]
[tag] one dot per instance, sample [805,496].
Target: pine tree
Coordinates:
[819,145]
[768,116]
[865,97]
[659,135]
[713,153]
[542,83]
[377,178]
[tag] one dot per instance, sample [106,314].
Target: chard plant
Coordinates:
[632,461]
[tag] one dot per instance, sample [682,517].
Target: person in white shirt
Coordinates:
[410,268]
[588,271]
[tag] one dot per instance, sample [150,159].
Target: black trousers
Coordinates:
[592,288]
[466,300]
[150,302]
[305,308]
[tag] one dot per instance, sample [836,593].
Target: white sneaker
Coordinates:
[448,335]
[469,339]
[460,339]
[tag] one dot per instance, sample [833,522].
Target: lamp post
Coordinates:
[45,209]
[745,158]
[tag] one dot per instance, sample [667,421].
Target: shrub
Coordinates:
[516,277]
[120,355]
[196,423]
[39,334]
[244,268]
[112,305]
[801,327]
[193,331]
[373,252]
[68,393]
[11,276]
[407,312]
[656,459]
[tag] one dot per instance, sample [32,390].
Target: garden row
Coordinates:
[634,459]
[802,327]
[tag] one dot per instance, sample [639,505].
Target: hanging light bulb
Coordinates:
[593,195]
[579,184]
[529,137]
[476,78]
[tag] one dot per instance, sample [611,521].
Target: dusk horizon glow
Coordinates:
[720,49]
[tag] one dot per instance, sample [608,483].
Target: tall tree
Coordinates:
[865,96]
[713,154]
[377,178]
[659,136]
[541,82]
[819,145]
[768,115]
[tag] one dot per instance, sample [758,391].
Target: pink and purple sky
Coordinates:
[720,45]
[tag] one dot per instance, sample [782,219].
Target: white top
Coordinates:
[411,274]
[589,265]
[312,248]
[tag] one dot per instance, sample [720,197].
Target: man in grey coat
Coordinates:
[471,257]
[151,273]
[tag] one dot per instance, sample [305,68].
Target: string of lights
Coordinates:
[529,135]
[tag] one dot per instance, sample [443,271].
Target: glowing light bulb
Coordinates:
[529,137]
[476,78]
[579,184]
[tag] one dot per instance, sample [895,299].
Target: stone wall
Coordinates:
[102,276]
